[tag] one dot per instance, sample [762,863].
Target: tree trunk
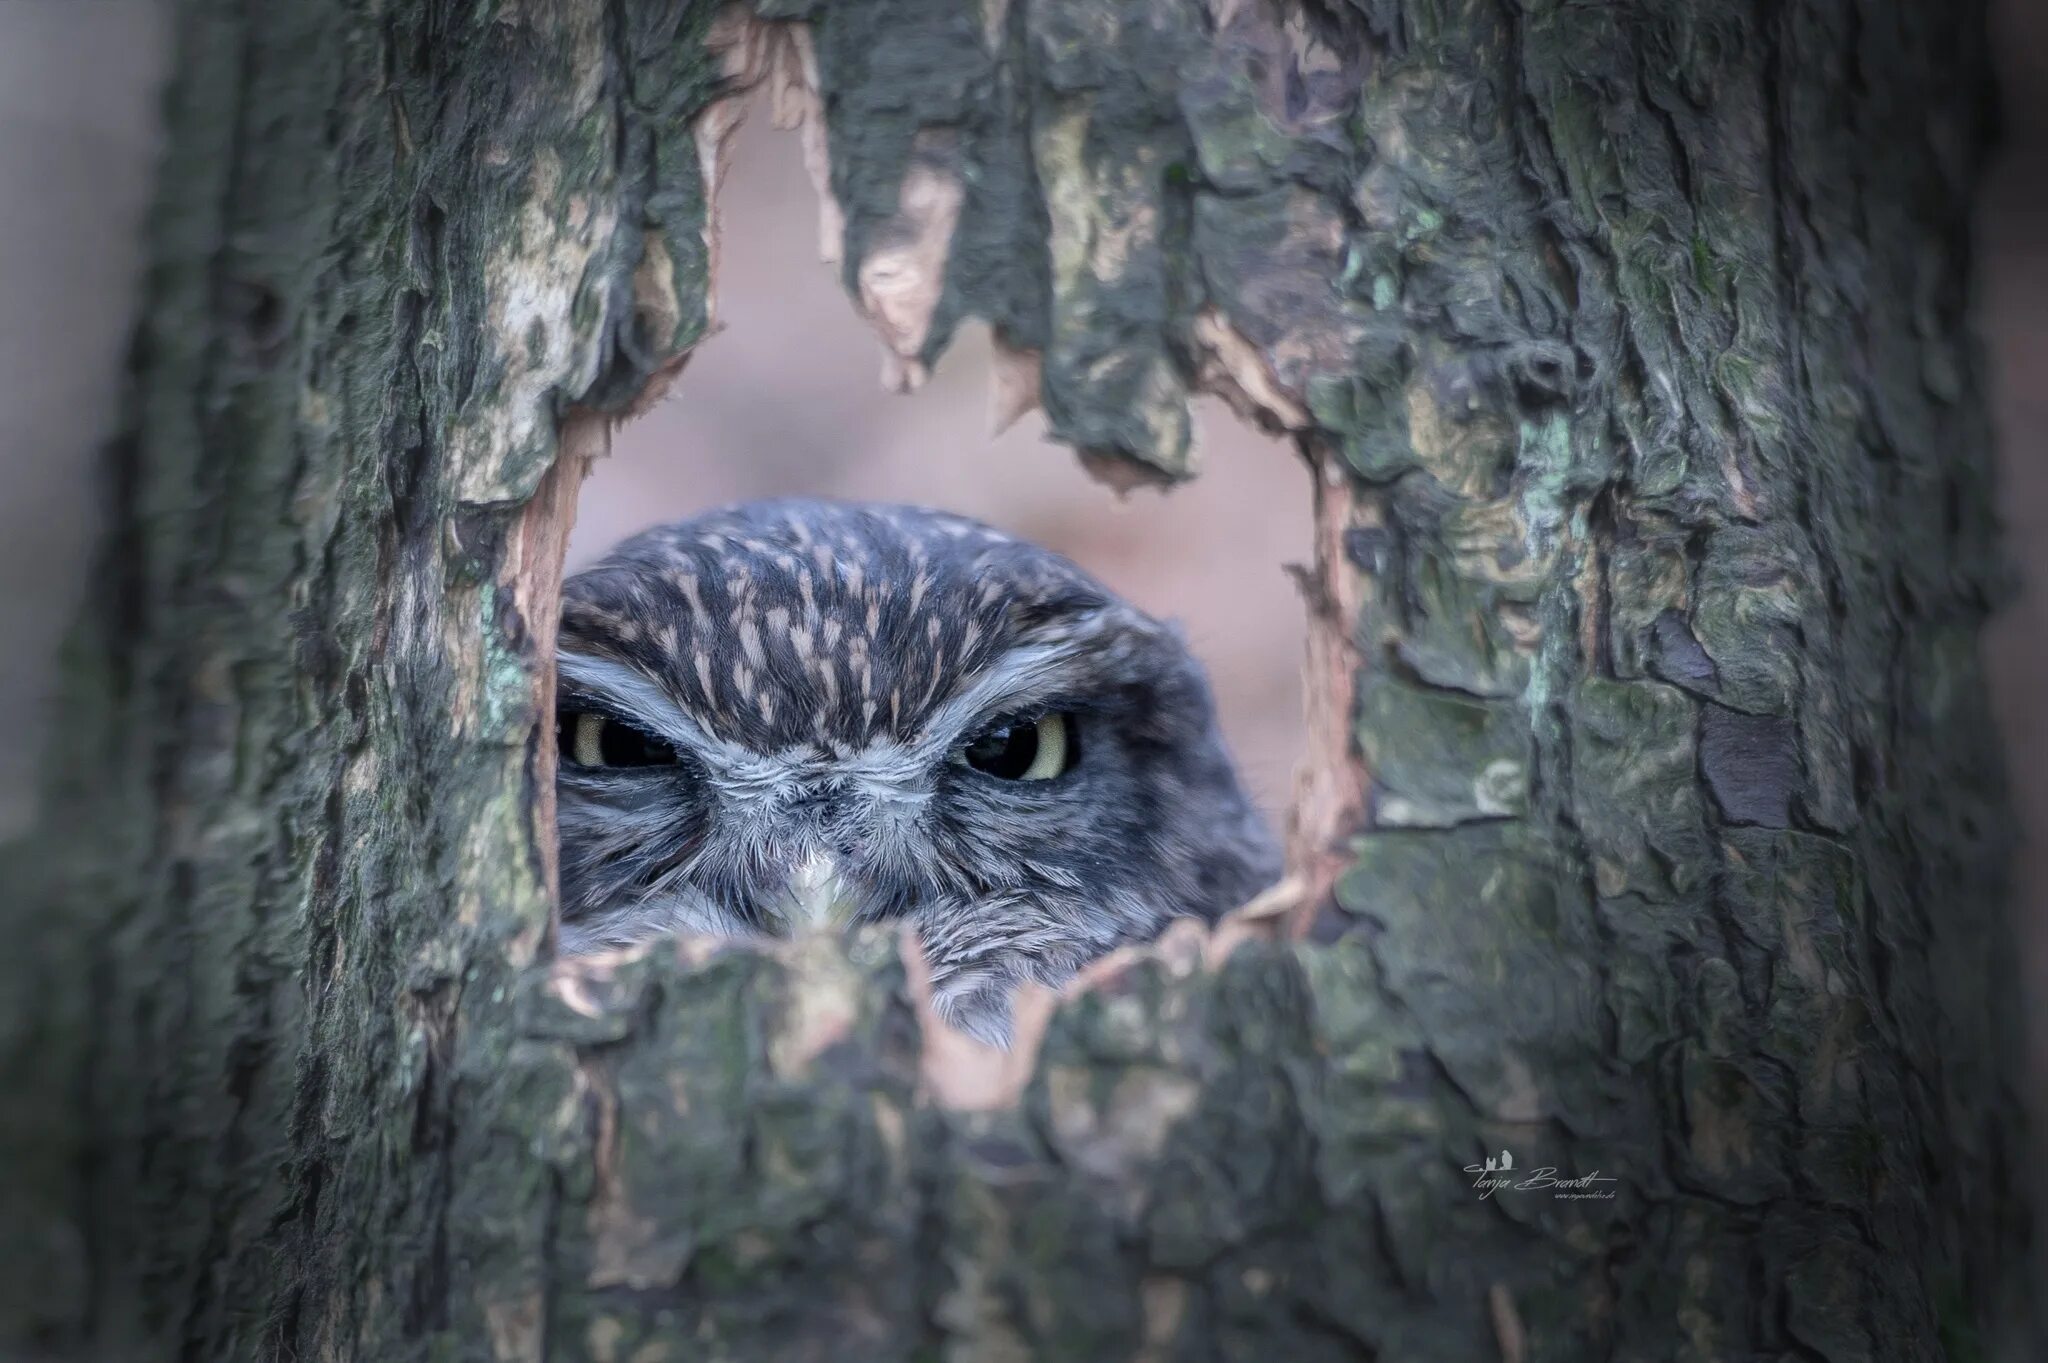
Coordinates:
[1654,834]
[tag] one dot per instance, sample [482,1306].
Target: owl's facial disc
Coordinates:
[662,817]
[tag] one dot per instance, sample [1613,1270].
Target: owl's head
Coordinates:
[793,713]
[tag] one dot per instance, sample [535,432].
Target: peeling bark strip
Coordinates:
[1657,796]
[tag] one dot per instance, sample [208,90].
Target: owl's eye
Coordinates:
[594,740]
[1024,750]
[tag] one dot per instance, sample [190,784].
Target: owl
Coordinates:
[796,714]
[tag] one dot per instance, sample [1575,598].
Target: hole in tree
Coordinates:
[785,400]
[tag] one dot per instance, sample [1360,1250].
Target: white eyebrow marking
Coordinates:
[1022,675]
[1015,680]
[645,700]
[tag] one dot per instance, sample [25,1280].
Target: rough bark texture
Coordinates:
[1655,827]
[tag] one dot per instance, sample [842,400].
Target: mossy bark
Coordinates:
[1654,831]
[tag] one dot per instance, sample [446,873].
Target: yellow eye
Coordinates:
[588,743]
[587,739]
[1030,750]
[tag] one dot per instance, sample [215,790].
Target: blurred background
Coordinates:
[78,116]
[78,105]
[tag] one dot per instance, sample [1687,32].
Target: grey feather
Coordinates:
[806,675]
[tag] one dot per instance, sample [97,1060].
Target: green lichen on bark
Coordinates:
[1651,456]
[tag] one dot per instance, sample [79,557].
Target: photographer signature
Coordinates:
[1499,1172]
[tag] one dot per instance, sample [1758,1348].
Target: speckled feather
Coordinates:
[816,666]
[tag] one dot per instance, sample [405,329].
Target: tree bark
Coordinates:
[1654,830]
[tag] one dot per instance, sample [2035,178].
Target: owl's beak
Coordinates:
[819,901]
